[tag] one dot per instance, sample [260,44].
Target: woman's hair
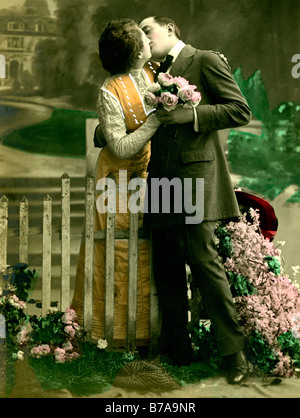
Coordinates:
[119,45]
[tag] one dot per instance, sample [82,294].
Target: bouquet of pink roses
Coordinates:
[170,91]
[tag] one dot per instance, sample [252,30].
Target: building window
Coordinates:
[15,26]
[15,42]
[39,27]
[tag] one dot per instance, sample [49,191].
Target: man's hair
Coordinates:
[163,21]
[119,45]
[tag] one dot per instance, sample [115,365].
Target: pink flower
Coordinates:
[186,93]
[68,346]
[59,354]
[151,99]
[196,98]
[72,356]
[70,331]
[169,101]
[16,302]
[41,350]
[165,79]
[69,316]
[22,336]
[181,82]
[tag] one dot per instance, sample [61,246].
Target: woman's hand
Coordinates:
[181,114]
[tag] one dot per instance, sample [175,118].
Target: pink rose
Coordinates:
[169,101]
[70,331]
[151,99]
[59,354]
[186,93]
[40,350]
[181,82]
[165,79]
[196,98]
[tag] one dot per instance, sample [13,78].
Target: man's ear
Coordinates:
[171,29]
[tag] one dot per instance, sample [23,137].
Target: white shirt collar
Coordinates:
[175,51]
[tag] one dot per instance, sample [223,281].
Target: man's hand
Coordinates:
[181,114]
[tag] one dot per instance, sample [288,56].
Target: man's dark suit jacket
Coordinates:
[179,151]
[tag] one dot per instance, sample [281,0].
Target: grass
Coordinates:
[62,135]
[95,371]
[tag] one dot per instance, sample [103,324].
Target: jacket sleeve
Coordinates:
[228,108]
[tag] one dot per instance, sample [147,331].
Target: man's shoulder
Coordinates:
[210,56]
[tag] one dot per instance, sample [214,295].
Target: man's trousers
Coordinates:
[195,245]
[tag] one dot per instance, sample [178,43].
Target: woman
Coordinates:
[127,124]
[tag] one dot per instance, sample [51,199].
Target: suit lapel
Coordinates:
[183,61]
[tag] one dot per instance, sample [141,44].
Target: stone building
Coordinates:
[19,35]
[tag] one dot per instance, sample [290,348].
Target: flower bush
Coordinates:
[267,301]
[57,333]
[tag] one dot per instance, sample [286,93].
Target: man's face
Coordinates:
[159,38]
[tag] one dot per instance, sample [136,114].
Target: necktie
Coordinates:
[164,65]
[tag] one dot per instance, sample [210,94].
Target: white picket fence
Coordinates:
[133,234]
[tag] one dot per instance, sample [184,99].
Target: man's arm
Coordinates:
[99,140]
[228,108]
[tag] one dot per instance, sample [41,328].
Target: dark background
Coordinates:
[252,34]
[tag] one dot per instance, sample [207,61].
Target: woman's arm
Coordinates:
[112,124]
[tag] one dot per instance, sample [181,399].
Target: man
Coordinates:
[187,145]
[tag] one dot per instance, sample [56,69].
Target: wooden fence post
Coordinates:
[3,237]
[3,232]
[65,242]
[110,274]
[89,255]
[47,237]
[133,246]
[23,231]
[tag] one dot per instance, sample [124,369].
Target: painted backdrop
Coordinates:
[50,73]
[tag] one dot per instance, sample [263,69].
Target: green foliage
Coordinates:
[205,344]
[19,281]
[240,285]
[260,354]
[290,346]
[225,249]
[48,329]
[254,90]
[271,162]
[93,372]
[24,280]
[15,319]
[274,264]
